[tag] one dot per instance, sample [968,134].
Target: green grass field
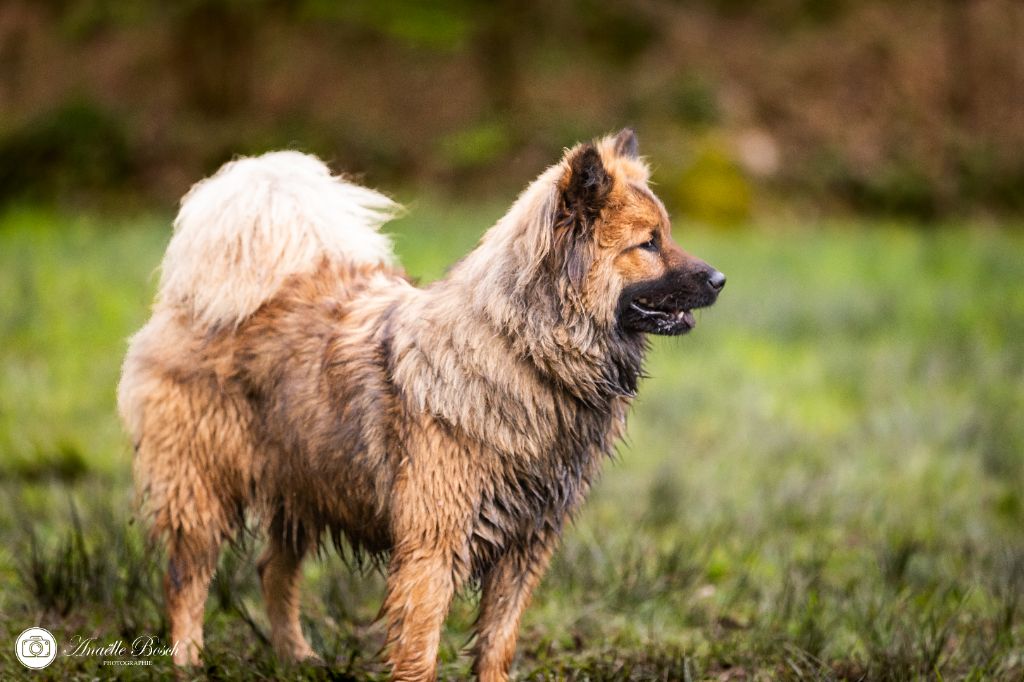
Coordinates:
[824,481]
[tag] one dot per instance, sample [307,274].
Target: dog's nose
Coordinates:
[716,280]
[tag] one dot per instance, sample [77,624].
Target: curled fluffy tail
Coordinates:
[243,231]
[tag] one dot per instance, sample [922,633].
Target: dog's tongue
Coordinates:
[688,318]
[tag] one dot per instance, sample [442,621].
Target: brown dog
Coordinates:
[291,371]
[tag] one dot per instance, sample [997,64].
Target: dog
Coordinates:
[291,373]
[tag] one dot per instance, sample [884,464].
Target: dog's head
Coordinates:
[614,245]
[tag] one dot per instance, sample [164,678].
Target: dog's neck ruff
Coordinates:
[594,364]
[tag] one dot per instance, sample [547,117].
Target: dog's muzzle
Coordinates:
[665,306]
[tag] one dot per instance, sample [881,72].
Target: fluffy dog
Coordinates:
[290,371]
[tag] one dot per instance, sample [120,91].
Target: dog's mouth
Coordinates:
[644,315]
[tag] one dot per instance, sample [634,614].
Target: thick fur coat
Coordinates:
[291,372]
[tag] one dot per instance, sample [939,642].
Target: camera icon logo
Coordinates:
[36,648]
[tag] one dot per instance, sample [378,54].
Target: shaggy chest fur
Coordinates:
[511,495]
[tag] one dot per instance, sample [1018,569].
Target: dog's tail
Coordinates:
[241,232]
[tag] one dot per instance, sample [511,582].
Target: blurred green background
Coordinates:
[910,108]
[824,481]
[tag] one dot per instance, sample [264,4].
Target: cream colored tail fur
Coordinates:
[258,220]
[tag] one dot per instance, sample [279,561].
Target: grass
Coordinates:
[824,481]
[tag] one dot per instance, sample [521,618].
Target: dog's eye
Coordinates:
[650,245]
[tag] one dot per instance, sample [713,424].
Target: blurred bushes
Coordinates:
[897,188]
[713,188]
[985,180]
[476,145]
[72,150]
[910,109]
[693,102]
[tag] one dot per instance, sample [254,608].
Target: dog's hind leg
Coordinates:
[188,487]
[190,566]
[280,570]
[194,527]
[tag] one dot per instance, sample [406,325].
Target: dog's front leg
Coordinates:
[507,588]
[420,590]
[433,504]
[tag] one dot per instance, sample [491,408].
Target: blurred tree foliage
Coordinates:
[910,108]
[62,153]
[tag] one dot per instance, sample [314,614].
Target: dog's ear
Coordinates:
[585,187]
[626,144]
[584,192]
